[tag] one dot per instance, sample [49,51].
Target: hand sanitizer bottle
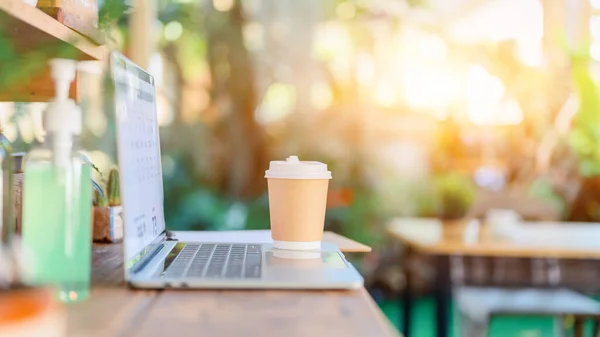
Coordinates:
[57,199]
[7,220]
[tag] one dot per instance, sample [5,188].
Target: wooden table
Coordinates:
[529,240]
[115,310]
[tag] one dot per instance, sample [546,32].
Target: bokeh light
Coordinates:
[321,96]
[278,102]
[173,31]
[345,10]
[223,5]
[484,92]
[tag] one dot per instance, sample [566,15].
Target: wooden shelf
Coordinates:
[36,38]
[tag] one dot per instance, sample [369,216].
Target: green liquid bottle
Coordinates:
[57,204]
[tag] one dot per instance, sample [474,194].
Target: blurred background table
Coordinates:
[115,310]
[529,240]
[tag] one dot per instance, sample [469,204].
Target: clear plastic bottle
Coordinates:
[7,226]
[9,275]
[57,199]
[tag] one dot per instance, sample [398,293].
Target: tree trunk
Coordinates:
[234,93]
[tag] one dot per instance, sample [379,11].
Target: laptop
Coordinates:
[153,259]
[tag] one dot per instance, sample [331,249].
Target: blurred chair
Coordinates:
[479,297]
[534,282]
[583,275]
[478,305]
[580,323]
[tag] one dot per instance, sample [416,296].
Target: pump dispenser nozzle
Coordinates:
[63,116]
[63,73]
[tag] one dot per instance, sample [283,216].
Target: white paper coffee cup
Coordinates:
[297,203]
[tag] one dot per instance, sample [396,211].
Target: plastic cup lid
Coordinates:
[293,168]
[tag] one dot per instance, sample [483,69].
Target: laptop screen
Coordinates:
[138,148]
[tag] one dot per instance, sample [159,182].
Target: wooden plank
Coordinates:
[264,313]
[542,240]
[81,16]
[264,236]
[107,265]
[34,38]
[112,308]
[30,30]
[109,311]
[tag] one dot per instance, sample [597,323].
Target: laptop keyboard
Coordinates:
[224,261]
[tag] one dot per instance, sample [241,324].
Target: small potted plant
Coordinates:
[455,194]
[108,212]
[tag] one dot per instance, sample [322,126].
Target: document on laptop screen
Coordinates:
[139,155]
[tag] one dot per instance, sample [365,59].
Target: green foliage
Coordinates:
[258,213]
[111,194]
[95,168]
[361,220]
[585,133]
[113,188]
[205,209]
[190,204]
[542,189]
[99,199]
[110,12]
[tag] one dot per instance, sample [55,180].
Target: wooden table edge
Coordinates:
[346,245]
[495,251]
[380,315]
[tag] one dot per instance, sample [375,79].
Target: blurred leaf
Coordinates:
[543,190]
[360,221]
[112,11]
[258,214]
[580,141]
[585,134]
[192,54]
[589,168]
